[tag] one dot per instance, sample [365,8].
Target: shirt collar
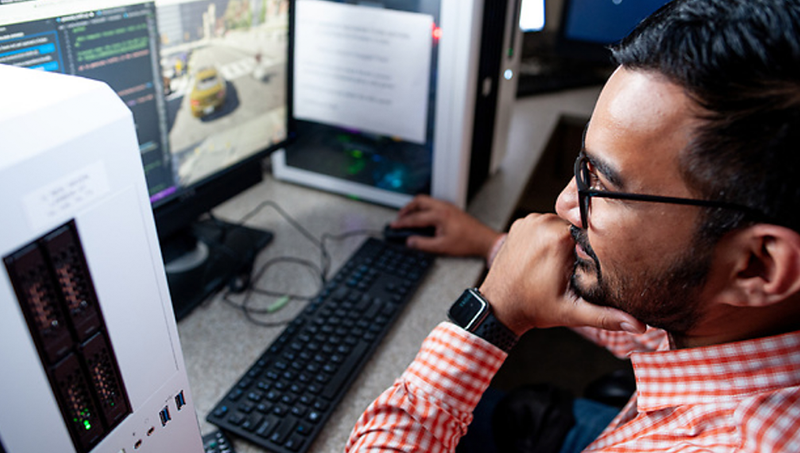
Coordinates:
[714,373]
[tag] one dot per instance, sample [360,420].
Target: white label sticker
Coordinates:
[62,198]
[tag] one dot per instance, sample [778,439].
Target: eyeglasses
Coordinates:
[583,179]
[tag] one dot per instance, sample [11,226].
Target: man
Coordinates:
[683,215]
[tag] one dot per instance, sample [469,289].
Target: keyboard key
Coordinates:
[236,419]
[267,426]
[303,428]
[299,410]
[295,442]
[235,394]
[264,408]
[252,422]
[283,430]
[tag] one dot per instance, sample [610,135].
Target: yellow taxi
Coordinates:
[208,92]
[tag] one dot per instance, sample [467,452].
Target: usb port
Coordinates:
[164,415]
[180,400]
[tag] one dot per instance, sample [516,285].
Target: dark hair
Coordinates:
[740,61]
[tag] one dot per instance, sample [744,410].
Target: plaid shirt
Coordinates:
[740,397]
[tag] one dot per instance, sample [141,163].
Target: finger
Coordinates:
[425,244]
[417,203]
[607,318]
[417,219]
[411,206]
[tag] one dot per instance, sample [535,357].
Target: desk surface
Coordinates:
[219,344]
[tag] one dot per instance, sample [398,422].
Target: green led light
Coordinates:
[87,425]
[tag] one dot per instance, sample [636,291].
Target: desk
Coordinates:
[219,344]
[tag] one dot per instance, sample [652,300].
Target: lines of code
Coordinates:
[106,54]
[95,49]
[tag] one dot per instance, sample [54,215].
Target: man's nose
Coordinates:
[567,206]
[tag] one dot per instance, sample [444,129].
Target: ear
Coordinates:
[763,265]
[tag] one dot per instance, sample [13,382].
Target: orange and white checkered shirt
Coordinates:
[735,397]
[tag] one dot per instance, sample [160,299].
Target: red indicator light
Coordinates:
[437,32]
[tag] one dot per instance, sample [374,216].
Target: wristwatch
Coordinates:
[473,313]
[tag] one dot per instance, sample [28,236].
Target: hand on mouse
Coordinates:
[457,233]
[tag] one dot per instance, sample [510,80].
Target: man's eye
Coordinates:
[594,181]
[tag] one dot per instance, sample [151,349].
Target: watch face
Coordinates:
[468,310]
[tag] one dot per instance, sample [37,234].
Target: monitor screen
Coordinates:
[364,92]
[223,65]
[589,26]
[207,82]
[605,21]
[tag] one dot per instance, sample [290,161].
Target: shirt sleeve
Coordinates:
[430,406]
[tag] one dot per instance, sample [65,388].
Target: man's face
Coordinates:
[638,256]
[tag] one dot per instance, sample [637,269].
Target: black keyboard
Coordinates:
[282,402]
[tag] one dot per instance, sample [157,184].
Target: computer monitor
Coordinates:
[395,98]
[364,93]
[208,83]
[588,27]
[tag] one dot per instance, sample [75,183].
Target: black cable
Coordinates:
[320,270]
[325,258]
[288,259]
[248,312]
[341,237]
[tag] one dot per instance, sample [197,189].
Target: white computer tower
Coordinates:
[477,46]
[92,361]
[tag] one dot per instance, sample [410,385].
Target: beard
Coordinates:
[667,297]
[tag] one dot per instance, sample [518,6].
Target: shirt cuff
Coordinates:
[454,366]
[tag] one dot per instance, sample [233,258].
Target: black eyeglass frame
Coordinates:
[585,193]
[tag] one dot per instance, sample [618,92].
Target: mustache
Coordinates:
[580,237]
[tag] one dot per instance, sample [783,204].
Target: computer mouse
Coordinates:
[399,235]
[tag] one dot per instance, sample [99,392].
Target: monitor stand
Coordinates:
[208,255]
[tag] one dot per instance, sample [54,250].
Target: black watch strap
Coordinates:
[474,313]
[496,333]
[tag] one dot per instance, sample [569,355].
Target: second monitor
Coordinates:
[395,98]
